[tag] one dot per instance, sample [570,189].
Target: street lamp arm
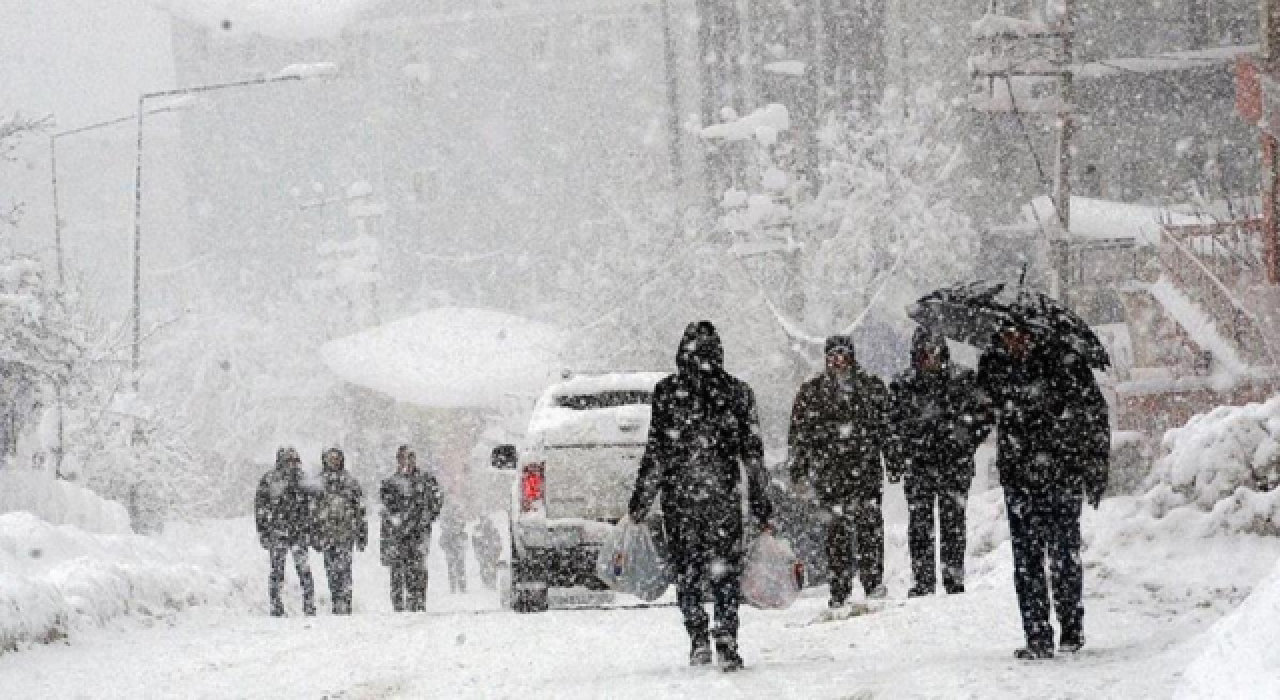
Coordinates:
[195,89]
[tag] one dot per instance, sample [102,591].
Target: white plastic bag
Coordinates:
[774,574]
[631,562]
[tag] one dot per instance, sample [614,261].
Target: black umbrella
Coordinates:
[973,313]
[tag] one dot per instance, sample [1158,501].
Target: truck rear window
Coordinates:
[604,399]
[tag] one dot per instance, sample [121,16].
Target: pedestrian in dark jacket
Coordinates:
[410,503]
[704,430]
[938,421]
[837,442]
[282,510]
[1054,445]
[453,540]
[341,526]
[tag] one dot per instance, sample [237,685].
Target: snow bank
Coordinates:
[1242,659]
[57,578]
[61,502]
[1218,455]
[450,357]
[277,19]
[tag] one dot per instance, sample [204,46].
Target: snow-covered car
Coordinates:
[576,469]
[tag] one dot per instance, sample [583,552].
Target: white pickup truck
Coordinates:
[575,472]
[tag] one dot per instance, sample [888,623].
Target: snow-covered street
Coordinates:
[1151,599]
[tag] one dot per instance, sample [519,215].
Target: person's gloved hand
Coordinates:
[362,543]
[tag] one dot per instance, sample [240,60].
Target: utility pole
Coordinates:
[1066,132]
[669,56]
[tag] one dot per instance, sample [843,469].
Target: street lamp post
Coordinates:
[297,72]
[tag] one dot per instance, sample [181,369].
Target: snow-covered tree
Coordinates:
[880,227]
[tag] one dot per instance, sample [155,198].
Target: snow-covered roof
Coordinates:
[1100,219]
[450,357]
[1163,63]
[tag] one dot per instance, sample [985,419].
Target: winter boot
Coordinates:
[700,655]
[1036,653]
[1071,642]
[955,588]
[727,651]
[918,592]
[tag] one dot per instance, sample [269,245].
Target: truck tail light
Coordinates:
[533,486]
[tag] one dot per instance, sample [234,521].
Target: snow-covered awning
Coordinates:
[1099,219]
[450,357]
[1163,63]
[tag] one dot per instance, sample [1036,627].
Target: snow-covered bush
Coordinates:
[1226,462]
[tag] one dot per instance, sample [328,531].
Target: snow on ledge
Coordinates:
[450,358]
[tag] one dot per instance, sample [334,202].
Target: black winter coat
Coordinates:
[1054,432]
[703,428]
[938,420]
[340,513]
[410,503]
[282,508]
[838,437]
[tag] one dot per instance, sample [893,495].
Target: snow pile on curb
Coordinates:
[1241,660]
[57,578]
[1225,462]
[61,503]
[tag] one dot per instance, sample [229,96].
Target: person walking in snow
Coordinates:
[838,438]
[341,526]
[282,512]
[411,501]
[704,430]
[453,540]
[487,543]
[938,423]
[1054,445]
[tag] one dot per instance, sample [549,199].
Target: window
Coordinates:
[604,399]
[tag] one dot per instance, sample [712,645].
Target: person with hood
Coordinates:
[837,441]
[282,511]
[1053,451]
[341,526]
[938,422]
[703,432]
[411,501]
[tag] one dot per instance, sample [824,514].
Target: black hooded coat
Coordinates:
[704,426]
[282,507]
[938,419]
[838,436]
[1054,431]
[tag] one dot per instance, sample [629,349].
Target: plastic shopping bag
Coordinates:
[631,562]
[774,574]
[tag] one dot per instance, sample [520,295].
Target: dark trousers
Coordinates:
[337,568]
[409,583]
[279,554]
[865,519]
[455,559]
[708,557]
[950,501]
[1046,526]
